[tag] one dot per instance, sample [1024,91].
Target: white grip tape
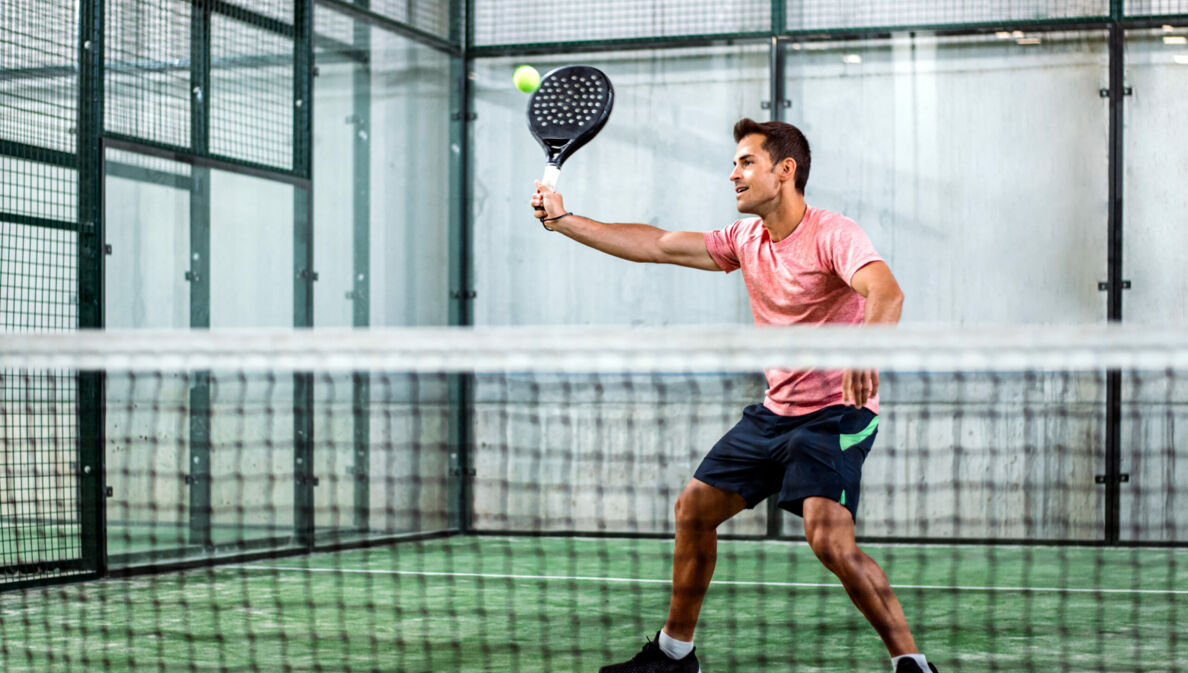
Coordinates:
[551,174]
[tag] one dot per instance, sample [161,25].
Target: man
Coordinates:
[807,441]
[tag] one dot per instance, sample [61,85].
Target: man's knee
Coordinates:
[829,530]
[834,551]
[704,507]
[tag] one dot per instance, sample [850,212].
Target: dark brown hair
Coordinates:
[780,141]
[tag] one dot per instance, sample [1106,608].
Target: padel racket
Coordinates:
[567,111]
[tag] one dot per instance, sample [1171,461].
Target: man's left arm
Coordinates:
[884,301]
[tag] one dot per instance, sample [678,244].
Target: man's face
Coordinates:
[756,181]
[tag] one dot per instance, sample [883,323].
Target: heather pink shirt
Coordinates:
[803,279]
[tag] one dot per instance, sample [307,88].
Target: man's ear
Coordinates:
[787,169]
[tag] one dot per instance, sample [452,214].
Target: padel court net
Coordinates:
[501,500]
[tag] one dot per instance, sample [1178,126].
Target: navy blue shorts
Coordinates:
[818,454]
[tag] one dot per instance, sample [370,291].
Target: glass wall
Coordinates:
[977,165]
[381,238]
[1155,416]
[664,158]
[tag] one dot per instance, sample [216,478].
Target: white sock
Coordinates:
[919,658]
[675,649]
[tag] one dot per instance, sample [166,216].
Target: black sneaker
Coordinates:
[653,660]
[910,666]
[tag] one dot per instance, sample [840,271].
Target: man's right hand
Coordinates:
[546,202]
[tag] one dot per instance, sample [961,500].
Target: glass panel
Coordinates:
[148,228]
[381,232]
[975,195]
[410,182]
[1155,405]
[251,252]
[663,158]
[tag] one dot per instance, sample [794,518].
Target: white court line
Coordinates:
[632,580]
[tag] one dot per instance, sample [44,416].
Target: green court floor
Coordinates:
[527,605]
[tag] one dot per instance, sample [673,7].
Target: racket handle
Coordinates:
[551,174]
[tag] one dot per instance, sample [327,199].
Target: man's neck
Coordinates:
[783,220]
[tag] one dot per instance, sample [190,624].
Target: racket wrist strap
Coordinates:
[544,220]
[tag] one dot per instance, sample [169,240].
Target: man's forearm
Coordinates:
[630,241]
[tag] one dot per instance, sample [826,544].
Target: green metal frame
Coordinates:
[461,302]
[199,478]
[92,483]
[303,271]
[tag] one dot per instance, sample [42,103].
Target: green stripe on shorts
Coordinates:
[850,440]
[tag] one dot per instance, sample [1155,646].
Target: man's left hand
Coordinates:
[858,386]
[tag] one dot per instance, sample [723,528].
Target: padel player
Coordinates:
[806,443]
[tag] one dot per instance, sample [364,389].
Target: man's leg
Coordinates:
[700,509]
[829,528]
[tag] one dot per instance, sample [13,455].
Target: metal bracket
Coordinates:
[306,274]
[1105,93]
[458,294]
[194,479]
[457,116]
[457,472]
[108,492]
[1104,285]
[766,105]
[307,479]
[1101,479]
[107,248]
[193,277]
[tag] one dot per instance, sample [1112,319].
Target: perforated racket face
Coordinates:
[570,107]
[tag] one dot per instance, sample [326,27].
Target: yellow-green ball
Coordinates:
[526,79]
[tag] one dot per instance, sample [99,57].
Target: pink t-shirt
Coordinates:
[805,280]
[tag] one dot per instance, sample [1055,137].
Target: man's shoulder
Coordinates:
[744,228]
[828,219]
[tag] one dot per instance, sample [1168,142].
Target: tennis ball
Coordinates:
[526,79]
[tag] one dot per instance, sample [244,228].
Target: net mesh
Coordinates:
[251,98]
[1154,7]
[869,13]
[561,452]
[147,84]
[498,23]
[39,533]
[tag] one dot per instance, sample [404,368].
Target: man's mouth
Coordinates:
[740,189]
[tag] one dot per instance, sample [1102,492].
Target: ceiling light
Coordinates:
[1003,34]
[1175,39]
[1182,59]
[852,59]
[1029,40]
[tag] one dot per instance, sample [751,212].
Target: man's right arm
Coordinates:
[630,241]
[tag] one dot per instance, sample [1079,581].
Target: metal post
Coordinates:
[1114,284]
[304,274]
[461,293]
[198,276]
[90,402]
